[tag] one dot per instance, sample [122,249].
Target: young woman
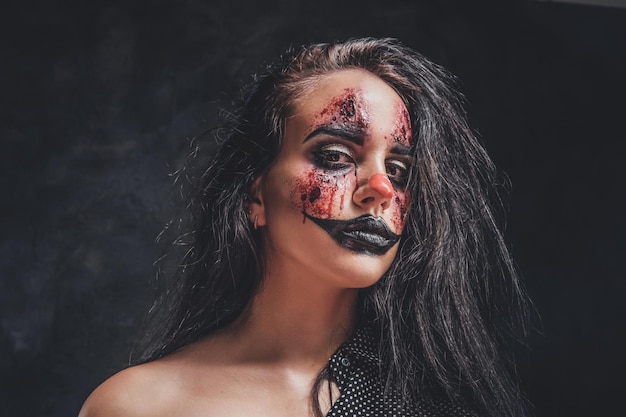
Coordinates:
[345,257]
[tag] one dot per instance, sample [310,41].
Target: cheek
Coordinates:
[319,194]
[400,208]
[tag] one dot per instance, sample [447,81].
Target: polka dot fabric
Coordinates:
[355,369]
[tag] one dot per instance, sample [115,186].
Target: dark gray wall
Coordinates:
[99,100]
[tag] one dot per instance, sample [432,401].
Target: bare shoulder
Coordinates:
[205,378]
[143,390]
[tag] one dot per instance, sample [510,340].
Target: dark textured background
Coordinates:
[99,100]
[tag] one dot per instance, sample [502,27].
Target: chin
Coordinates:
[365,270]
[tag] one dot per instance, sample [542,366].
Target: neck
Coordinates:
[294,319]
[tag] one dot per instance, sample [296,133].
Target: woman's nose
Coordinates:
[381,184]
[378,191]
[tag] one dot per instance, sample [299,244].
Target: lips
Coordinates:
[365,234]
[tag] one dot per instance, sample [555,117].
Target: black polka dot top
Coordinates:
[355,369]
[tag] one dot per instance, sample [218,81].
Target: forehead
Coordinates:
[355,99]
[364,87]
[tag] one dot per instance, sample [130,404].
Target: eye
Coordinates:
[398,172]
[333,157]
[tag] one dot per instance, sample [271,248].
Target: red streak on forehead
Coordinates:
[346,108]
[402,131]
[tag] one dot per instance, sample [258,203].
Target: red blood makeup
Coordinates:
[402,132]
[329,179]
[347,108]
[334,200]
[402,135]
[400,208]
[343,143]
[316,193]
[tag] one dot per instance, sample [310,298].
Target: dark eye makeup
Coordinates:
[340,158]
[333,157]
[398,172]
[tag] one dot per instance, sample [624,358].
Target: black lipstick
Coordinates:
[365,234]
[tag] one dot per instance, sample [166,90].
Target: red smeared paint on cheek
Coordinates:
[343,196]
[402,131]
[319,194]
[400,207]
[346,108]
[315,194]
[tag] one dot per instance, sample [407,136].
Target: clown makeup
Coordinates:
[334,202]
[342,129]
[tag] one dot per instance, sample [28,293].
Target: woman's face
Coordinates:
[334,202]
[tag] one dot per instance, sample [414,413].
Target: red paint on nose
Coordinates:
[381,184]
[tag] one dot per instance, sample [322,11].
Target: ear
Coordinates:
[255,207]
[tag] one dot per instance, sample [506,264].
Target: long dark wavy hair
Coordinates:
[450,307]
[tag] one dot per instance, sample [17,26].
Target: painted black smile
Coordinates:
[365,234]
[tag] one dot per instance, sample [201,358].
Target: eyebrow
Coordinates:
[354,135]
[400,149]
